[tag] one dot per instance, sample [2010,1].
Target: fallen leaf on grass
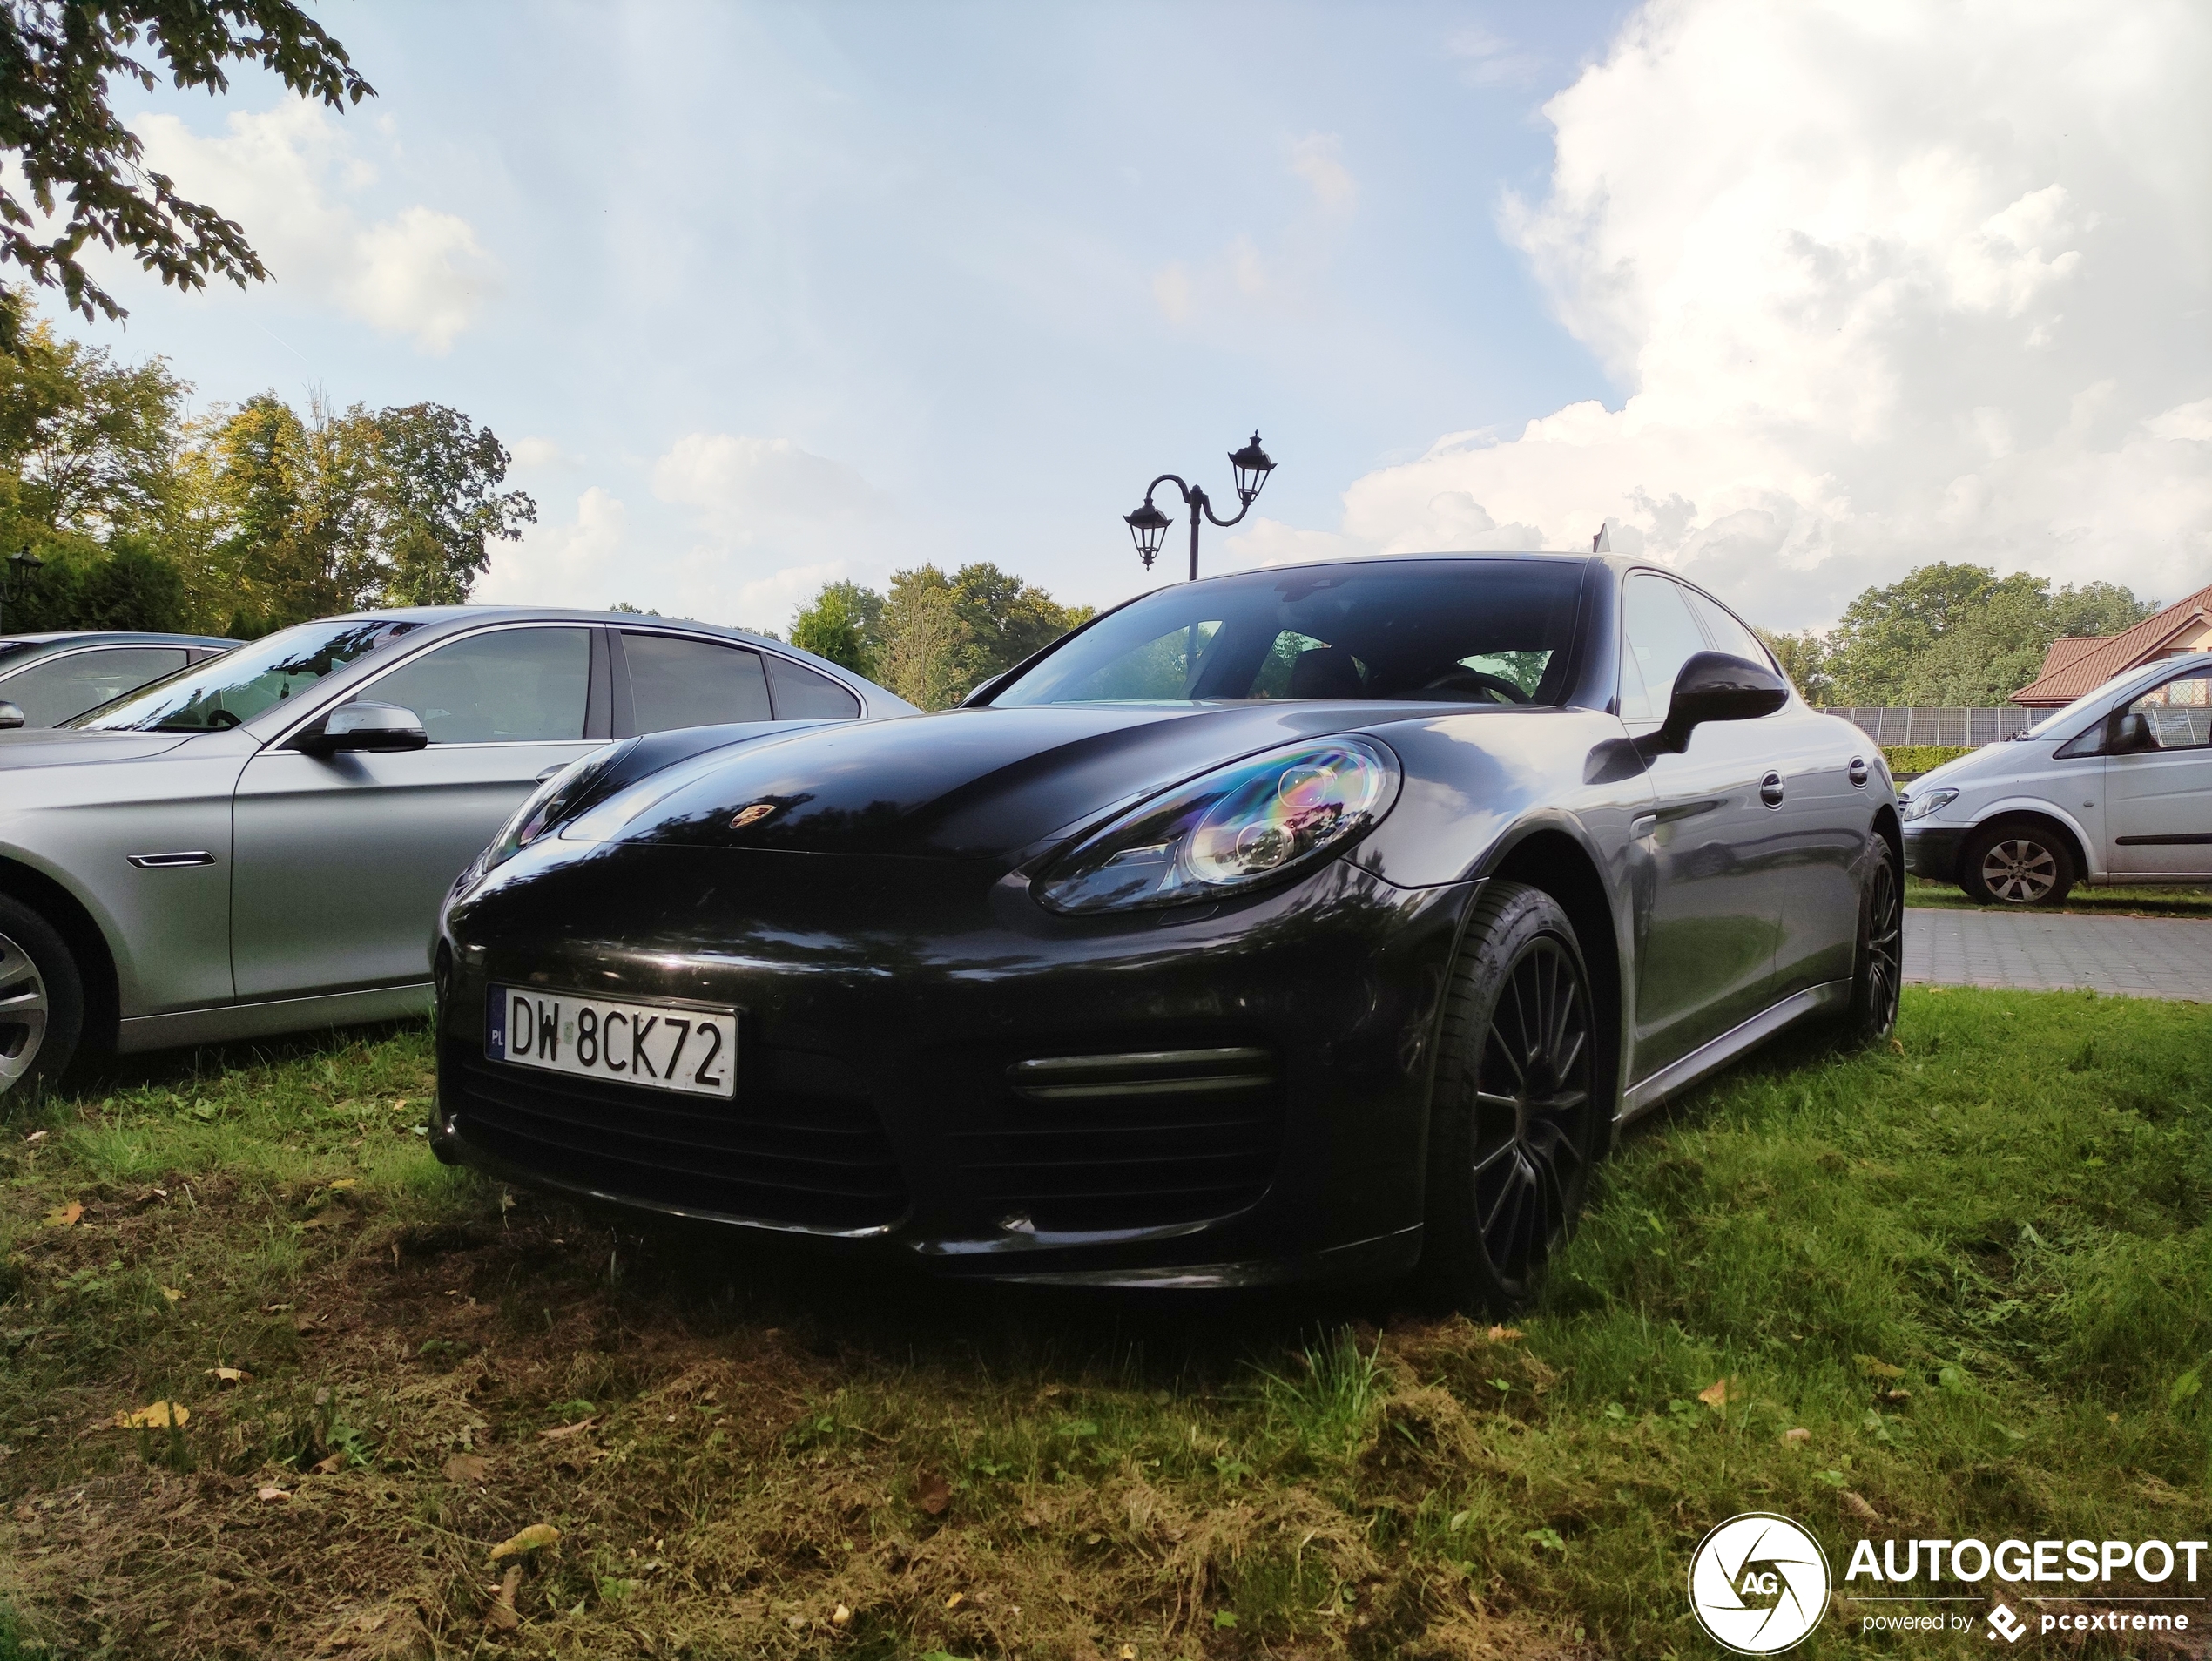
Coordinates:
[559,1431]
[932,1494]
[65,1216]
[1857,1505]
[345,1184]
[536,1536]
[173,1294]
[36,1136]
[955,1600]
[502,1612]
[267,1494]
[1795,1435]
[157,1416]
[840,1616]
[320,1219]
[228,1375]
[467,1467]
[331,1466]
[1506,1334]
[1720,1392]
[1878,1369]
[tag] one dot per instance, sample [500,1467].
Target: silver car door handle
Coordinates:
[169,862]
[1770,790]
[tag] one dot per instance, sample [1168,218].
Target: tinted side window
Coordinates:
[803,695]
[510,686]
[1728,635]
[51,691]
[676,681]
[1661,635]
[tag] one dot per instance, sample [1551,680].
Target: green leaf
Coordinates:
[1223,1620]
[2184,1386]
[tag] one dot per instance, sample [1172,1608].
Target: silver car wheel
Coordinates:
[2019,871]
[22,1012]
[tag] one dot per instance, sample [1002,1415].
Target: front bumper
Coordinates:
[1932,851]
[930,1064]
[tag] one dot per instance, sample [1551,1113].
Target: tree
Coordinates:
[843,623]
[1886,631]
[1803,658]
[77,158]
[442,503]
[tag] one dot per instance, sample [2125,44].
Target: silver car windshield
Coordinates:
[1468,631]
[232,689]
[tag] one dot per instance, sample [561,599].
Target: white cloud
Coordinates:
[1488,61]
[289,176]
[735,482]
[587,561]
[535,454]
[1319,159]
[1887,283]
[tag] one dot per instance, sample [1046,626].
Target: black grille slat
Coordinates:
[810,1158]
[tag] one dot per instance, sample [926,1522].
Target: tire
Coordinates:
[2016,862]
[42,1003]
[1517,1111]
[1878,966]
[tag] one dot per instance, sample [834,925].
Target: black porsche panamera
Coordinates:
[1323,921]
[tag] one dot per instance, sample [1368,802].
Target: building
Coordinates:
[2081,663]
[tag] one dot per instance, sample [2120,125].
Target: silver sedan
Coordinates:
[260,844]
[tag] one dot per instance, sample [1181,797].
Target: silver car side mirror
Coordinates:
[10,714]
[372,729]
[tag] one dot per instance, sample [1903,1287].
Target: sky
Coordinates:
[765,295]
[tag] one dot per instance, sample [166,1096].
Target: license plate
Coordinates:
[651,1045]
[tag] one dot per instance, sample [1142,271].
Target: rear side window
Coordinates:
[676,681]
[803,695]
[1660,636]
[51,691]
[509,686]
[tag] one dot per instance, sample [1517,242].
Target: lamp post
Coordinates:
[1150,526]
[17,580]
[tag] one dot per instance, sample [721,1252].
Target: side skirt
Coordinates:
[230,1021]
[1639,1100]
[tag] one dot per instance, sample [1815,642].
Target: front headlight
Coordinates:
[1919,807]
[549,804]
[1251,822]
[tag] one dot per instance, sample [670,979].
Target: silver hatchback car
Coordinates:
[259,844]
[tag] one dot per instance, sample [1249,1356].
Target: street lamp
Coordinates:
[15,583]
[1150,526]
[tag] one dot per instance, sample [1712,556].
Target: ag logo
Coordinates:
[1758,1583]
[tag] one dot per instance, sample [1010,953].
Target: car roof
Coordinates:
[113,637]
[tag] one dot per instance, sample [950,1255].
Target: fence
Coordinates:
[1926,725]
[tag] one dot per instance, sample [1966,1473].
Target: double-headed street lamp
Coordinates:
[14,582]
[1150,526]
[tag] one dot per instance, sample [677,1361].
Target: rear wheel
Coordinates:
[42,1002]
[1878,975]
[2019,863]
[1516,1112]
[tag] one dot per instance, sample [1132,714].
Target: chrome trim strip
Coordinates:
[228,1021]
[1710,1057]
[170,862]
[1136,1060]
[1197,1084]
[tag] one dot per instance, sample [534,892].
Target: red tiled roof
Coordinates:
[2094,660]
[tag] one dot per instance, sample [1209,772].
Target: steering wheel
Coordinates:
[220,721]
[1461,678]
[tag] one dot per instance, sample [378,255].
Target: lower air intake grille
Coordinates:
[802,1148]
[1137,1139]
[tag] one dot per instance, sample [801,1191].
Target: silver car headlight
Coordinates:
[1237,827]
[1917,806]
[547,805]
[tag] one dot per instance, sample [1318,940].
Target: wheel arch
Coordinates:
[2076,844]
[78,929]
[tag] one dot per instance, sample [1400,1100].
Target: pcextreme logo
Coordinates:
[1758,1583]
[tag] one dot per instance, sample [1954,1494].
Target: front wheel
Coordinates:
[2016,864]
[1877,973]
[42,1002]
[1518,1105]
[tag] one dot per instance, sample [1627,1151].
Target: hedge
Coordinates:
[1923,758]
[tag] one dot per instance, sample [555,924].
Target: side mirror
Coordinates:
[10,714]
[2128,732]
[373,728]
[1713,686]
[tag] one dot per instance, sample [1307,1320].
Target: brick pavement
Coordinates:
[2147,957]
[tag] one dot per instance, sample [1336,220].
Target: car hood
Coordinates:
[987,784]
[1989,762]
[58,746]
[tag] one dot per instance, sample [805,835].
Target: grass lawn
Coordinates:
[2182,901]
[1972,1267]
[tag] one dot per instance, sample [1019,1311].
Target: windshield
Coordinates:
[227,690]
[1461,631]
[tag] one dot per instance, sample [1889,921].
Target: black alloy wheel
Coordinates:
[1877,974]
[42,1002]
[2016,864]
[1517,1107]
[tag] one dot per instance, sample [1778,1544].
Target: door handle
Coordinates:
[1856,772]
[1770,790]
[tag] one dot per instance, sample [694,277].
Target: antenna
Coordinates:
[1600,543]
